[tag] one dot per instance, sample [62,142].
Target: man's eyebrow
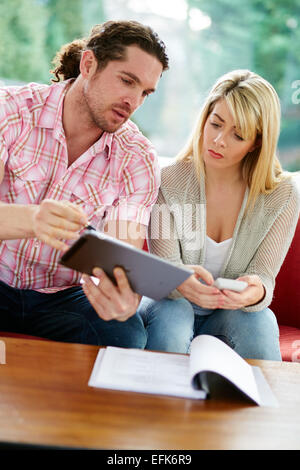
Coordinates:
[137,80]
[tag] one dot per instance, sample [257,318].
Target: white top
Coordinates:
[216,254]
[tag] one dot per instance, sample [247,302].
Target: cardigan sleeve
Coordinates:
[163,238]
[162,234]
[272,251]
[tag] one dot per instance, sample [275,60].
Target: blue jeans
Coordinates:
[65,316]
[171,324]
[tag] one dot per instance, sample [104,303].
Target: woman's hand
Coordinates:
[206,296]
[55,221]
[110,301]
[253,294]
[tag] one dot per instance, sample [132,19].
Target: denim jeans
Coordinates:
[65,316]
[171,324]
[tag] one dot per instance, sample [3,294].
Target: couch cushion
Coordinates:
[286,300]
[289,343]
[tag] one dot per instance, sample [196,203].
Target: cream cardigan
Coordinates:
[177,229]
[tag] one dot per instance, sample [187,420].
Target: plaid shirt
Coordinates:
[116,178]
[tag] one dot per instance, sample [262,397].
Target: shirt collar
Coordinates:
[104,144]
[51,118]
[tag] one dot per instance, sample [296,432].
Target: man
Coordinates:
[69,156]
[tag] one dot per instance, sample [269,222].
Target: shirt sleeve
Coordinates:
[3,149]
[9,123]
[272,251]
[138,190]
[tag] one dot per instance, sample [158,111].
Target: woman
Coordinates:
[228,211]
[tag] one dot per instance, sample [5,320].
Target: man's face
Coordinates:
[113,94]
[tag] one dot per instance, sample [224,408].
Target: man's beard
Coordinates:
[96,116]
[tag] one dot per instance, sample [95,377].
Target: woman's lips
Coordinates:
[215,155]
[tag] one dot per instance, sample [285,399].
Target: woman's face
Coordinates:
[223,147]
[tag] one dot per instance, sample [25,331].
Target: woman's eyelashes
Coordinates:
[216,125]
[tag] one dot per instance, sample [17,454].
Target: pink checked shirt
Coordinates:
[116,178]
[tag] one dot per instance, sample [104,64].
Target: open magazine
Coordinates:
[180,375]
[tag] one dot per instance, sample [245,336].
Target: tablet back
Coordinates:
[148,274]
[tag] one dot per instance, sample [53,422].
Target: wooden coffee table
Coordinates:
[45,400]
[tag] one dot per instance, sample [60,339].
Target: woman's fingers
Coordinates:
[202,273]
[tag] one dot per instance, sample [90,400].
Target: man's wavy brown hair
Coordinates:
[108,41]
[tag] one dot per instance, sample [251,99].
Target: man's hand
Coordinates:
[253,294]
[110,301]
[206,296]
[55,221]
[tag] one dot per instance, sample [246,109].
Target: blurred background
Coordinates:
[204,38]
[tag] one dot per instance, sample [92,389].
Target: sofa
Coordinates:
[286,301]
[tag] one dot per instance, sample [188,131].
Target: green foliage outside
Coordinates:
[32,31]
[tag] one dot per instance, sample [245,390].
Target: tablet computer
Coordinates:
[148,274]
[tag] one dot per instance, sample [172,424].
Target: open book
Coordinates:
[209,363]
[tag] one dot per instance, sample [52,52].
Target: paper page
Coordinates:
[267,397]
[211,354]
[144,371]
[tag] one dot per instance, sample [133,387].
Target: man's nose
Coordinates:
[134,100]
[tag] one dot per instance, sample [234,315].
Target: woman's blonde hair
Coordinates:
[255,107]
